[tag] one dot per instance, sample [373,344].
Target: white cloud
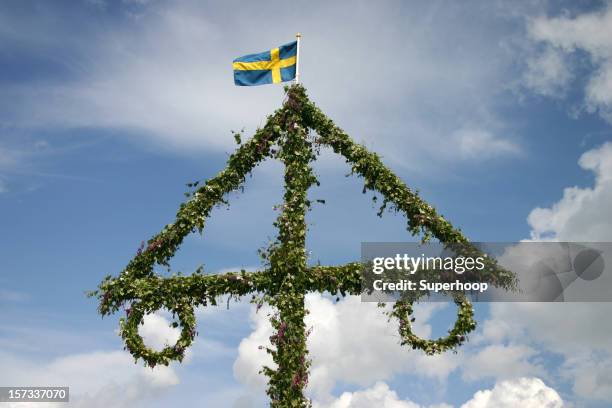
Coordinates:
[479,143]
[582,214]
[548,73]
[579,332]
[250,358]
[522,392]
[508,349]
[96,378]
[156,331]
[378,396]
[591,374]
[566,329]
[370,353]
[166,75]
[589,32]
[501,362]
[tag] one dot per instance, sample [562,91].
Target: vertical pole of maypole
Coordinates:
[297,57]
[288,263]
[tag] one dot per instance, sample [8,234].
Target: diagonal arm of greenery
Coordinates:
[422,217]
[192,214]
[286,277]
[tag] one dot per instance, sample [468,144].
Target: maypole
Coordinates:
[293,135]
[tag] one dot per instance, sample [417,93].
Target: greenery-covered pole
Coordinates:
[287,278]
[288,266]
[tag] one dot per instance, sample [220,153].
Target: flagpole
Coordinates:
[297,57]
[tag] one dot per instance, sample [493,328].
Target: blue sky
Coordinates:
[500,114]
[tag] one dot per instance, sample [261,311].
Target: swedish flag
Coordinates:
[269,67]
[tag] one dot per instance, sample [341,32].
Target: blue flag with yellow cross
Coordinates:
[269,67]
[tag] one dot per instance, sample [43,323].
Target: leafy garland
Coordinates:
[283,284]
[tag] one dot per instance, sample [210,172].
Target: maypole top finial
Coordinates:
[297,56]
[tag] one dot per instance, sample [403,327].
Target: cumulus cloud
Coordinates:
[548,73]
[522,392]
[96,378]
[157,332]
[501,362]
[370,353]
[590,33]
[508,350]
[250,358]
[566,329]
[378,396]
[582,214]
[591,374]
